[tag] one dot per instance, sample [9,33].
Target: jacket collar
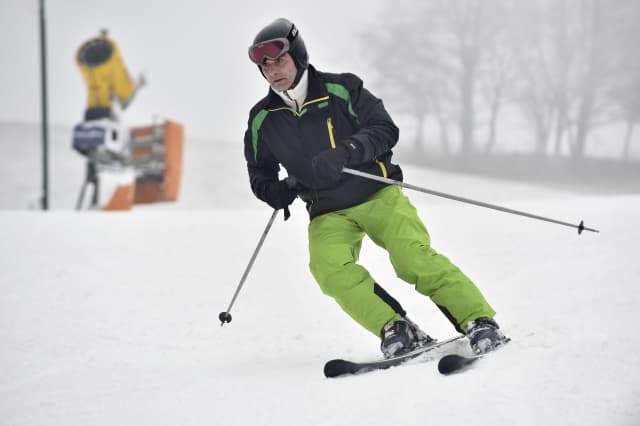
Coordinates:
[314,90]
[294,98]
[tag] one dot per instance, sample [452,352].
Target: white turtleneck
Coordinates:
[295,97]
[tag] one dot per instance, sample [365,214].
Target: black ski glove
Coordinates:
[280,194]
[327,166]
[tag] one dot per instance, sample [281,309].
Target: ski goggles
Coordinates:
[270,49]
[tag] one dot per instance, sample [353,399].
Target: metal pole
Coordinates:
[580,227]
[225,316]
[45,120]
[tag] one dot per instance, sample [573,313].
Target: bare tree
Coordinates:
[410,67]
[460,26]
[460,61]
[534,89]
[625,92]
[497,71]
[593,28]
[566,59]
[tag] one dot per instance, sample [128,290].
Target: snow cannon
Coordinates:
[105,75]
[126,167]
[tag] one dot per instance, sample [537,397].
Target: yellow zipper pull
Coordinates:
[330,129]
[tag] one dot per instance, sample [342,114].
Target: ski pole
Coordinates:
[580,227]
[225,316]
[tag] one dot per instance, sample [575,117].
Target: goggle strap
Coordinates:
[293,33]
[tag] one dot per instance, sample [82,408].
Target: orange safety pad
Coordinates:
[148,192]
[122,199]
[173,142]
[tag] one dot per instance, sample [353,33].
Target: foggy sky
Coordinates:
[193,53]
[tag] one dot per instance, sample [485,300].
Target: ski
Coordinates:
[456,363]
[341,367]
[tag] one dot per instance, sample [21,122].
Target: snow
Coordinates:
[112,318]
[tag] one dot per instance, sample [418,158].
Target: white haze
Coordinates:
[194,55]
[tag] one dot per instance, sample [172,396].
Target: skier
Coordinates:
[315,123]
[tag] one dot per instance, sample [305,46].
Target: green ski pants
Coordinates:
[391,221]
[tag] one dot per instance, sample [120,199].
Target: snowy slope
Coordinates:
[111,319]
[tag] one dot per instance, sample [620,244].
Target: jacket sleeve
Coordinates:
[377,132]
[263,168]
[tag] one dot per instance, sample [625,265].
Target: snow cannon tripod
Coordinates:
[106,147]
[90,178]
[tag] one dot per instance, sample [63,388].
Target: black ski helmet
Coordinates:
[283,28]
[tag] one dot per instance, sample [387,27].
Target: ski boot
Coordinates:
[484,335]
[401,336]
[422,338]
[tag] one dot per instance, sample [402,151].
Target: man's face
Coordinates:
[280,73]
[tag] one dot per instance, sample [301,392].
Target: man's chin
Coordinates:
[280,87]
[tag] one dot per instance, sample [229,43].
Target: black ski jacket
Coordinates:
[337,110]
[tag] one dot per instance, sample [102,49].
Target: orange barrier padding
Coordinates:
[122,199]
[141,153]
[174,142]
[141,150]
[147,193]
[142,140]
[142,131]
[151,145]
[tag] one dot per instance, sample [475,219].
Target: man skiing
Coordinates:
[315,123]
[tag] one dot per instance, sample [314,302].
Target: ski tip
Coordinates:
[453,363]
[338,367]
